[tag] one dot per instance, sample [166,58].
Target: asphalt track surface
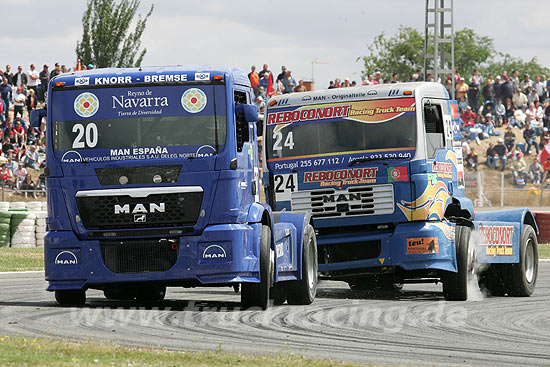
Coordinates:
[416,327]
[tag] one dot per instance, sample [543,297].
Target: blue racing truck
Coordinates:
[153,181]
[380,169]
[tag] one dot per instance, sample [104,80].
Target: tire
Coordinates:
[151,293]
[4,221]
[257,294]
[71,297]
[23,229]
[302,292]
[524,274]
[17,205]
[455,285]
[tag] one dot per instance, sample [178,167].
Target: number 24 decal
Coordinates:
[289,141]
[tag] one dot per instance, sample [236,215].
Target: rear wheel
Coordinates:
[455,285]
[524,274]
[302,292]
[71,297]
[257,294]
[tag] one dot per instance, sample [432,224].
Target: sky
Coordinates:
[241,33]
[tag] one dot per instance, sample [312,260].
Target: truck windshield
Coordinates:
[173,118]
[342,128]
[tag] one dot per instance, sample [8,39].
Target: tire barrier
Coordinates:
[23,224]
[22,228]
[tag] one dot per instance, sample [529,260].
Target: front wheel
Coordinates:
[302,292]
[455,285]
[257,294]
[524,274]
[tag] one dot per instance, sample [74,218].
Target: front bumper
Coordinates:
[74,264]
[410,246]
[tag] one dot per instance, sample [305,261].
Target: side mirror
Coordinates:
[250,112]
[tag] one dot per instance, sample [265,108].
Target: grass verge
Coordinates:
[19,351]
[544,251]
[19,259]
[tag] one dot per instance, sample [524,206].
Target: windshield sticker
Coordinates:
[86,104]
[362,111]
[193,100]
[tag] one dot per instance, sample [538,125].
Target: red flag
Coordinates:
[397,174]
[544,154]
[78,66]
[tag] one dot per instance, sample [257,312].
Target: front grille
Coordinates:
[138,175]
[180,209]
[139,256]
[352,201]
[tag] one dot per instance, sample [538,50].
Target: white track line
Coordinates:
[22,272]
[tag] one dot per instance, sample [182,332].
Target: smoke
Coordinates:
[475,294]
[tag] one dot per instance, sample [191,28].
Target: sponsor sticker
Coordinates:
[82,81]
[342,176]
[497,239]
[66,258]
[214,252]
[423,245]
[193,100]
[86,104]
[443,169]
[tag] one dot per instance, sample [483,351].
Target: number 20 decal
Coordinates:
[289,141]
[89,133]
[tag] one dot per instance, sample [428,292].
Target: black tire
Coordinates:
[119,293]
[151,293]
[277,294]
[524,274]
[455,285]
[302,292]
[71,297]
[257,294]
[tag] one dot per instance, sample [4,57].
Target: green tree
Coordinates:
[404,53]
[507,63]
[107,40]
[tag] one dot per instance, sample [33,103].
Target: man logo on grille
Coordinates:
[140,218]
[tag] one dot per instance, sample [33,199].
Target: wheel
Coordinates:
[257,294]
[71,297]
[524,274]
[302,292]
[119,293]
[277,294]
[455,285]
[151,293]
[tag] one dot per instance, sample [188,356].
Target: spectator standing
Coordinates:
[478,76]
[515,79]
[57,70]
[19,102]
[289,82]
[19,78]
[8,75]
[33,79]
[535,171]
[6,95]
[488,92]
[282,75]
[497,85]
[31,101]
[507,88]
[254,78]
[44,80]
[473,94]
[539,86]
[509,138]
[526,84]
[462,89]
